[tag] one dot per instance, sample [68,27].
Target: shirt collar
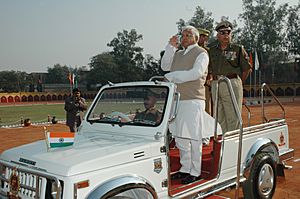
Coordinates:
[189,48]
[219,45]
[150,109]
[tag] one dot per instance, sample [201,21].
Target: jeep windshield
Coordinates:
[131,105]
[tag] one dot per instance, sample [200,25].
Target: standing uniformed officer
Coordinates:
[74,107]
[203,41]
[203,38]
[232,61]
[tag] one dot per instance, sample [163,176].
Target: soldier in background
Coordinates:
[203,41]
[230,60]
[203,38]
[74,106]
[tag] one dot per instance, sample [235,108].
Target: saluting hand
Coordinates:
[174,41]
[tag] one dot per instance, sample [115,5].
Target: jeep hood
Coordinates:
[91,151]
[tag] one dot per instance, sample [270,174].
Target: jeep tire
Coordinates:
[262,178]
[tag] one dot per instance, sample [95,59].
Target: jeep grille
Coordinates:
[32,182]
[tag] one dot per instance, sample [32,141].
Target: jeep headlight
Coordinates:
[54,189]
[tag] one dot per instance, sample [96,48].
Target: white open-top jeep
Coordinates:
[117,155]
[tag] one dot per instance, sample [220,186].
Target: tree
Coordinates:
[58,74]
[264,31]
[201,19]
[103,69]
[152,67]
[125,49]
[13,81]
[263,25]
[293,29]
[127,55]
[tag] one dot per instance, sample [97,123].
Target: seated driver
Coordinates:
[150,113]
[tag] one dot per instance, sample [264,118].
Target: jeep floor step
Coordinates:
[216,197]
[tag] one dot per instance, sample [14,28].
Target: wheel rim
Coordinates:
[266,180]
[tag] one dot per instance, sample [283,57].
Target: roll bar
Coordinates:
[264,117]
[238,114]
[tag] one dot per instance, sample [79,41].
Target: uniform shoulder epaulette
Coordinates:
[213,44]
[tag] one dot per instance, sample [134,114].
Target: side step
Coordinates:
[216,197]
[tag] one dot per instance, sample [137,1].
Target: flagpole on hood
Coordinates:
[46,138]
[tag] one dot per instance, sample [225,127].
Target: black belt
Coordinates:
[229,76]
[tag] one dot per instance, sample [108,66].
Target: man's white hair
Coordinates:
[194,30]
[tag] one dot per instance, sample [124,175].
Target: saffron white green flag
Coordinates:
[60,139]
[256,63]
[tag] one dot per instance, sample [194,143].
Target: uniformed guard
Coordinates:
[151,113]
[232,61]
[203,41]
[203,38]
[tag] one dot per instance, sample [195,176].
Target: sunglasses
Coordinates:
[224,32]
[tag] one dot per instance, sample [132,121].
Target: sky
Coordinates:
[36,34]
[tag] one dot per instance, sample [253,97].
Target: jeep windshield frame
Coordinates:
[137,105]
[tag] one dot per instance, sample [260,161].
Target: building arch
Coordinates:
[279,92]
[289,91]
[3,99]
[10,99]
[65,96]
[30,98]
[43,98]
[36,98]
[24,98]
[17,98]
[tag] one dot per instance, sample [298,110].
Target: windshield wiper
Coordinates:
[114,120]
[141,121]
[110,120]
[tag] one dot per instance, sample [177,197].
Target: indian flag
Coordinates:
[60,139]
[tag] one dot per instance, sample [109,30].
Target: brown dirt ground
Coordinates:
[287,187]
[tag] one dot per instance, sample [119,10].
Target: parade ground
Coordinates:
[287,187]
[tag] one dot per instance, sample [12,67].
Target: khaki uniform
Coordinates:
[230,62]
[151,114]
[74,110]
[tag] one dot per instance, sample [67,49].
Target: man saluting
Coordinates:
[188,69]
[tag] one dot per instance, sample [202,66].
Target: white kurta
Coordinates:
[189,120]
[189,126]
[192,122]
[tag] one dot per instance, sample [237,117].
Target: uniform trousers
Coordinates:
[226,113]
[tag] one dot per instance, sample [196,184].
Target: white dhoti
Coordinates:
[190,126]
[209,126]
[186,128]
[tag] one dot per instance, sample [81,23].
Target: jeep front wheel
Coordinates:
[262,179]
[133,193]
